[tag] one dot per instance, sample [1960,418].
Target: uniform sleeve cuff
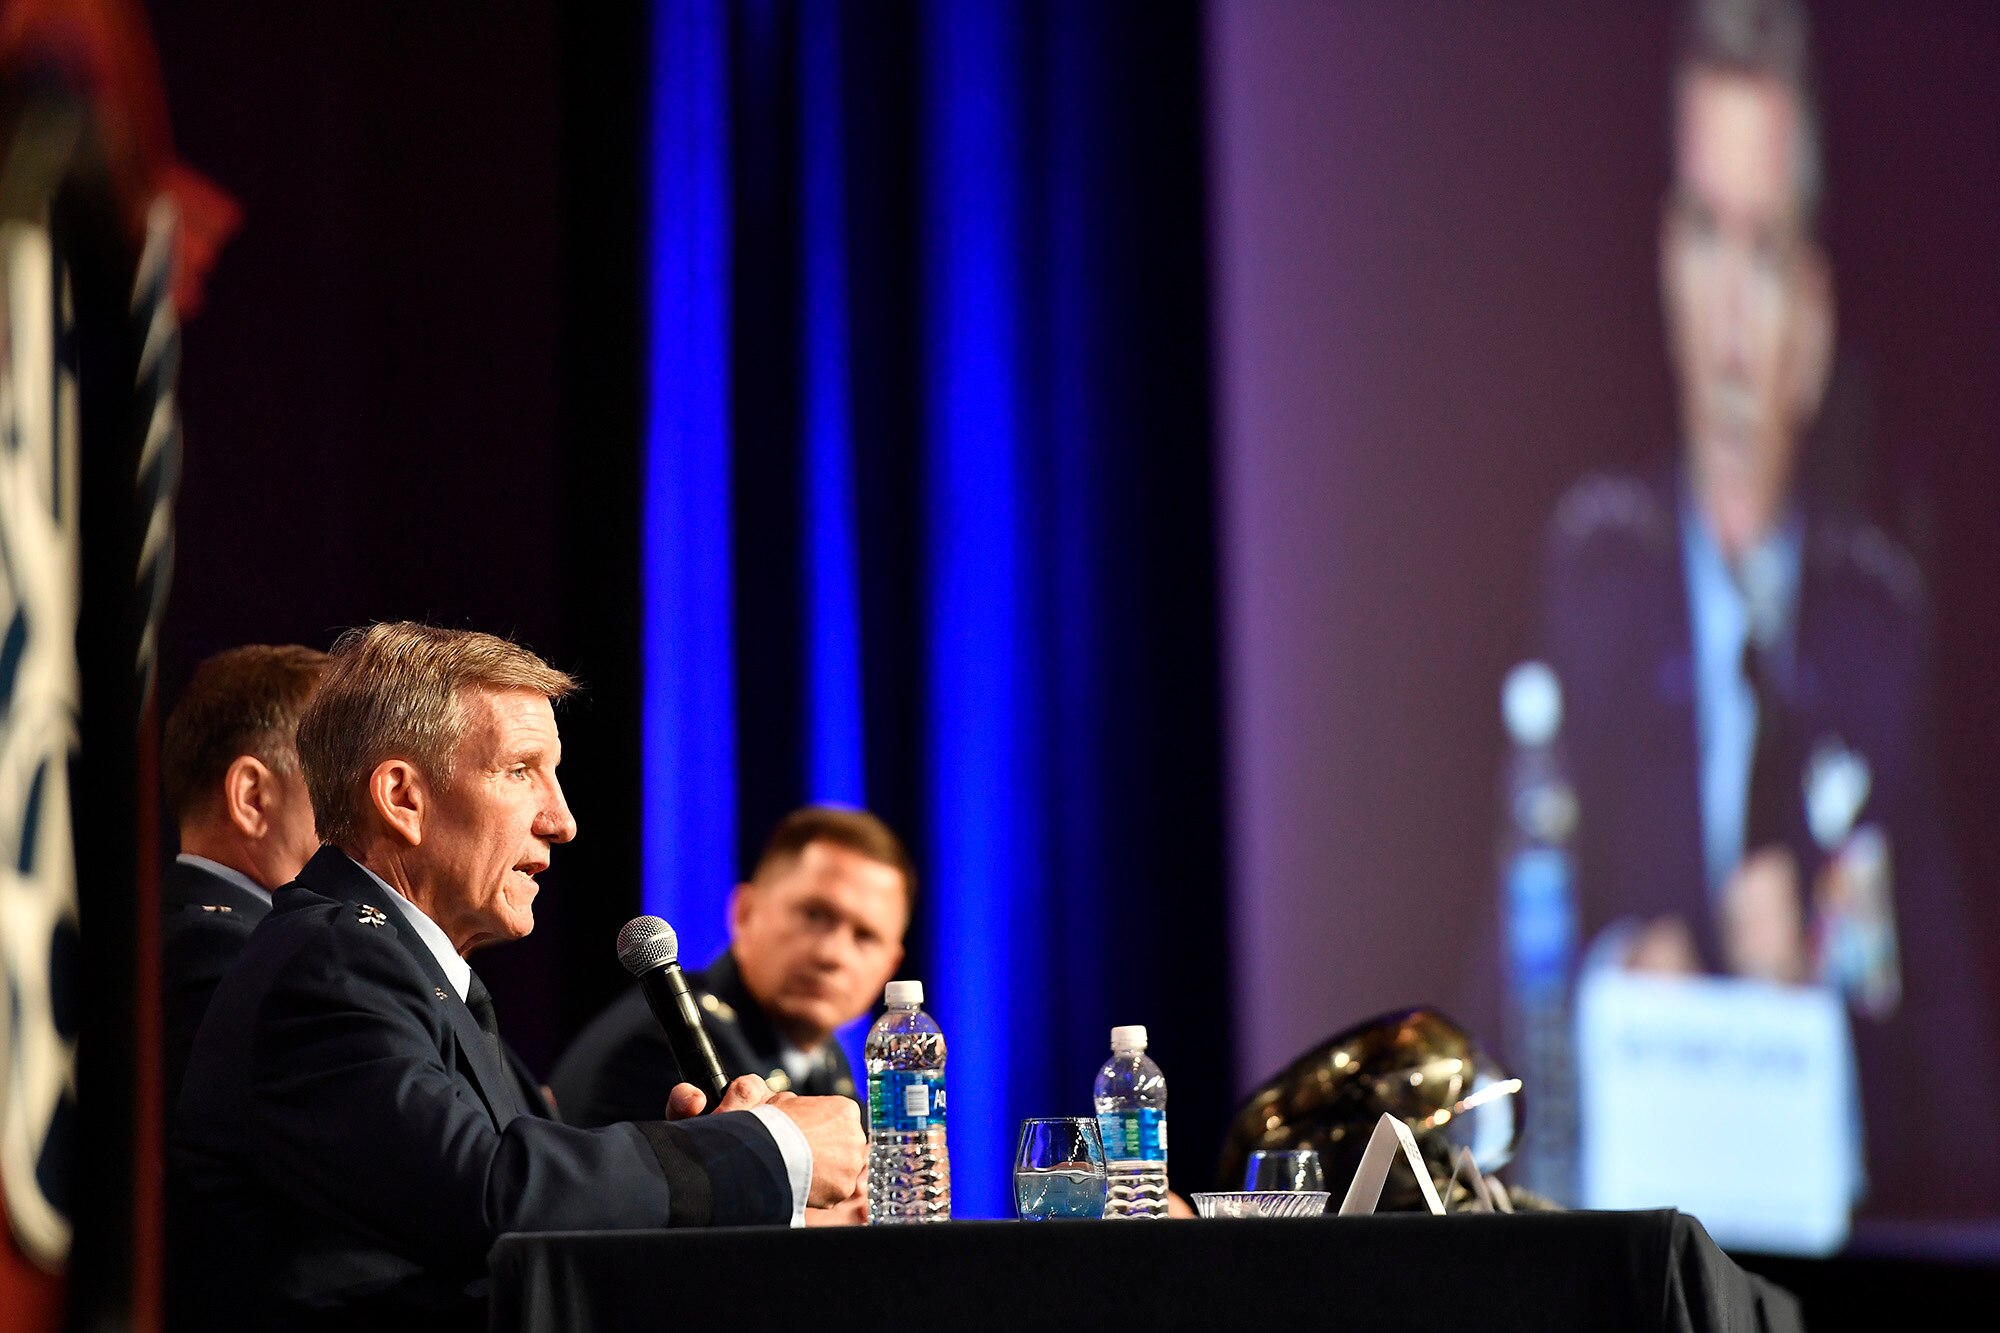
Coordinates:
[798,1156]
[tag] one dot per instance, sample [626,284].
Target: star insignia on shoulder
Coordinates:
[369,915]
[440,991]
[217,907]
[1602,504]
[714,1006]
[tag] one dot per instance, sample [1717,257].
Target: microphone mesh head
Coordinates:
[646,942]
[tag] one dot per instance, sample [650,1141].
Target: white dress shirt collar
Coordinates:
[456,969]
[221,871]
[799,1065]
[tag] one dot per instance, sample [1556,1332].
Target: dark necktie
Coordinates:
[1774,793]
[480,1001]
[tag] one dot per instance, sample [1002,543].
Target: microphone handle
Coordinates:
[673,1005]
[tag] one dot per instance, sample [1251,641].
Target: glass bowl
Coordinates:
[1261,1203]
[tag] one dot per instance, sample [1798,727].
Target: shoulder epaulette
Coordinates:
[1878,559]
[1601,505]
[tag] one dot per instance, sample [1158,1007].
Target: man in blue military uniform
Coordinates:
[230,777]
[1744,670]
[349,1132]
[229,772]
[814,934]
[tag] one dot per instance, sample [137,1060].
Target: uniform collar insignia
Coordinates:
[1837,783]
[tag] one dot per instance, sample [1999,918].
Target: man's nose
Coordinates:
[556,823]
[1730,309]
[833,947]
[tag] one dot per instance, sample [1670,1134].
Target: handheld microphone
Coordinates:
[650,951]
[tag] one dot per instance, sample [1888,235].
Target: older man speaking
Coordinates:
[350,1134]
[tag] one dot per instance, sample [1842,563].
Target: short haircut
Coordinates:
[856,830]
[1760,39]
[396,691]
[243,701]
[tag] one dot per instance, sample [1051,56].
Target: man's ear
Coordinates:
[401,798]
[248,788]
[1669,261]
[1813,339]
[739,907]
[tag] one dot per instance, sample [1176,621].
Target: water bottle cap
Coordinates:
[1531,702]
[904,994]
[1132,1038]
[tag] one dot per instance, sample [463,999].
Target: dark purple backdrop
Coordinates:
[1435,261]
[371,390]
[411,390]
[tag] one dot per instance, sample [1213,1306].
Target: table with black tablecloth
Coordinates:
[1548,1271]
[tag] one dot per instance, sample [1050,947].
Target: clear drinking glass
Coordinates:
[1290,1170]
[1059,1170]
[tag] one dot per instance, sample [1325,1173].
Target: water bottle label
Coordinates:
[1542,922]
[906,1101]
[1134,1136]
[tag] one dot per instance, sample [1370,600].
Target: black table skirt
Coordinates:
[1637,1271]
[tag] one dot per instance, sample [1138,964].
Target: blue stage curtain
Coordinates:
[688,697]
[962,568]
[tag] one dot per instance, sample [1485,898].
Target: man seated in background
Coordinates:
[229,771]
[814,935]
[349,1133]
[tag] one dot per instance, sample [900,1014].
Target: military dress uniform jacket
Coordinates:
[352,1143]
[1616,628]
[205,921]
[621,1068]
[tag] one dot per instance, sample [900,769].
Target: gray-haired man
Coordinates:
[349,1131]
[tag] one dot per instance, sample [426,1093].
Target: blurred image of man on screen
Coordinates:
[1744,668]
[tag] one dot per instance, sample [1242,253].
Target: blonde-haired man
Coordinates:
[349,1124]
[814,935]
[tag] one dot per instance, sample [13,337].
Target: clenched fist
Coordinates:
[832,1125]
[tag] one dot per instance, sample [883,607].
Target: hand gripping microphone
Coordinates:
[651,952]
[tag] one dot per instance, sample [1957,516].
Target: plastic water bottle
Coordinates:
[1131,1096]
[1539,926]
[909,1172]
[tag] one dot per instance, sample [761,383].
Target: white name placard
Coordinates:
[1731,1100]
